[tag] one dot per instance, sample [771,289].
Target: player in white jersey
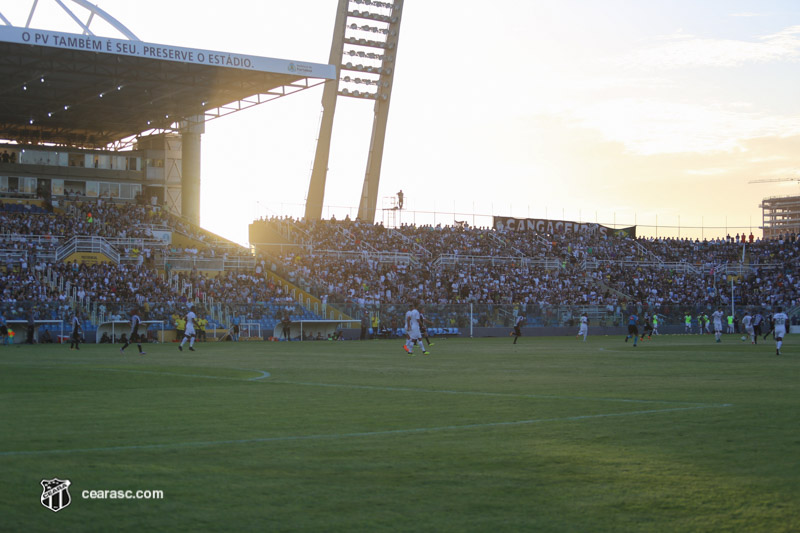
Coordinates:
[716,317]
[747,326]
[134,336]
[188,333]
[413,334]
[584,331]
[779,321]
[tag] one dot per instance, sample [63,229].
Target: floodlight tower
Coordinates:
[368,32]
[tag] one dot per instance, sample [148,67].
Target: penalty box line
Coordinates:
[334,436]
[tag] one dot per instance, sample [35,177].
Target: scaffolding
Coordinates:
[780,216]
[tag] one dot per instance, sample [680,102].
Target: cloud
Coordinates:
[682,50]
[654,125]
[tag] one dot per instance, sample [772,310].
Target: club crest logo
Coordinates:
[55,494]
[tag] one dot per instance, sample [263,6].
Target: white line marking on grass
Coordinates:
[202,376]
[263,374]
[333,436]
[496,394]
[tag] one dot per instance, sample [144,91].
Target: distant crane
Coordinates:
[774,180]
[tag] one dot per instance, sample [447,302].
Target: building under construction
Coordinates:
[780,215]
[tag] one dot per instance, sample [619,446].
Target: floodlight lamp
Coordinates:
[119,87]
[24,87]
[49,114]
[30,121]
[66,107]
[41,79]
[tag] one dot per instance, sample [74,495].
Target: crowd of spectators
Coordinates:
[350,263]
[663,274]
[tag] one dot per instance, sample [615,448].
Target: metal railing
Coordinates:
[81,244]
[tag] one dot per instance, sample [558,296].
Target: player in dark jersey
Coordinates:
[134,336]
[422,328]
[648,328]
[76,331]
[633,328]
[517,333]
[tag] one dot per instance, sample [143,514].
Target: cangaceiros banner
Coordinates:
[545,226]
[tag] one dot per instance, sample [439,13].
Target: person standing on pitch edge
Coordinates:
[76,331]
[134,336]
[584,330]
[517,333]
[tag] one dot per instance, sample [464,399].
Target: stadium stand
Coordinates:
[464,276]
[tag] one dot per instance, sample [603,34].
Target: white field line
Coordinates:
[495,394]
[265,375]
[333,436]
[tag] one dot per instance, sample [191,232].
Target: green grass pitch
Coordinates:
[553,434]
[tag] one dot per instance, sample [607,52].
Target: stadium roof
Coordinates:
[80,90]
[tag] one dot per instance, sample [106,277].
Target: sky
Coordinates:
[623,112]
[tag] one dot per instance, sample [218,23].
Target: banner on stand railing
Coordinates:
[544,226]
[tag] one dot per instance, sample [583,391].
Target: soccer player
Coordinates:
[517,333]
[758,321]
[706,324]
[584,327]
[687,323]
[779,320]
[655,324]
[716,316]
[771,324]
[730,323]
[188,333]
[76,331]
[134,336]
[413,334]
[648,328]
[633,328]
[422,328]
[747,326]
